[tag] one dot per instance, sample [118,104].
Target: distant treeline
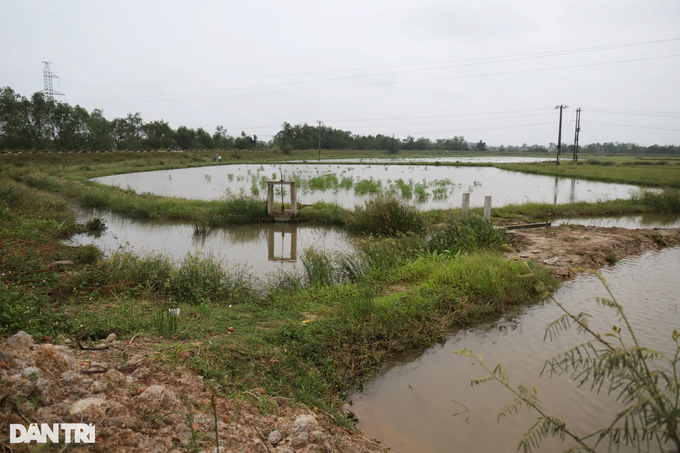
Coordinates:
[44,124]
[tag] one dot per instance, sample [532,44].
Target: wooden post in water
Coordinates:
[466,204]
[487,207]
[270,198]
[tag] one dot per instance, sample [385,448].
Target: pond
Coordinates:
[424,402]
[265,247]
[428,186]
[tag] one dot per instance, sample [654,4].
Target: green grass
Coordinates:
[420,275]
[385,216]
[628,171]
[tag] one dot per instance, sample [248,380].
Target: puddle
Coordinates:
[265,247]
[418,403]
[427,186]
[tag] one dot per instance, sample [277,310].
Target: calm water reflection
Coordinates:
[445,185]
[266,247]
[412,405]
[626,221]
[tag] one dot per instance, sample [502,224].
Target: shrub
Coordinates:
[238,209]
[465,235]
[317,267]
[385,216]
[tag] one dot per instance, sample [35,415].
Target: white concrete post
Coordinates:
[293,200]
[466,203]
[270,198]
[487,207]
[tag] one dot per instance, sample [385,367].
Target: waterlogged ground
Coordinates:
[427,186]
[651,220]
[263,248]
[476,159]
[424,403]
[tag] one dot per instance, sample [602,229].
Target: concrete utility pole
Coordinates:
[320,123]
[559,134]
[578,129]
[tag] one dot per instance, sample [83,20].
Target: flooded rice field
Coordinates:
[265,248]
[475,159]
[428,186]
[424,403]
[651,220]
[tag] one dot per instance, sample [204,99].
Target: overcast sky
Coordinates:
[486,69]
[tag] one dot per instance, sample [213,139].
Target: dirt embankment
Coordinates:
[565,248]
[139,406]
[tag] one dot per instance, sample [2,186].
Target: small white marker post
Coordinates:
[487,207]
[466,204]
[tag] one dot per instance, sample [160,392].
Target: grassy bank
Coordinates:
[642,172]
[312,335]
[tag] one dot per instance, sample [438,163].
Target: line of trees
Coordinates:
[44,124]
[39,123]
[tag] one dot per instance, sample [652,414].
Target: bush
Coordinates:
[466,235]
[317,267]
[202,278]
[129,269]
[238,209]
[667,200]
[385,216]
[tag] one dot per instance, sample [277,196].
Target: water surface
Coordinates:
[264,247]
[626,221]
[419,402]
[442,187]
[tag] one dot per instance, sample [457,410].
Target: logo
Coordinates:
[73,433]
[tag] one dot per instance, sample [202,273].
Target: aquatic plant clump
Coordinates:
[385,216]
[237,209]
[465,235]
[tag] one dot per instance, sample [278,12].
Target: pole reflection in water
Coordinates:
[256,246]
[271,234]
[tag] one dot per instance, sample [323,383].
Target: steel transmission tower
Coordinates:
[47,81]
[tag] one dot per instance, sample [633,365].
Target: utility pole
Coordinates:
[320,123]
[47,82]
[578,129]
[559,134]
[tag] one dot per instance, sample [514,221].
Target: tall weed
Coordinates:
[465,235]
[385,216]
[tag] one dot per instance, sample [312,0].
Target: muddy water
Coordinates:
[265,248]
[476,159]
[425,403]
[627,221]
[442,186]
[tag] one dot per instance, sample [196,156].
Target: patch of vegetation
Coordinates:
[385,216]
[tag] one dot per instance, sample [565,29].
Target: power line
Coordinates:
[632,112]
[523,71]
[636,126]
[501,58]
